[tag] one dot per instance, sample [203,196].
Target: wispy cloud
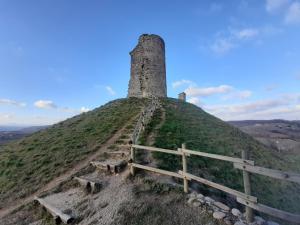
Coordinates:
[233,38]
[45,104]
[293,13]
[84,109]
[48,104]
[284,107]
[288,9]
[110,90]
[195,94]
[245,34]
[195,101]
[273,6]
[5,101]
[180,83]
[207,91]
[222,46]
[236,94]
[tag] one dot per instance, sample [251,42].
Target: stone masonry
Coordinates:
[148,68]
[182,96]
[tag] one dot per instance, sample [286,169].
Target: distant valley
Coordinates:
[9,133]
[281,135]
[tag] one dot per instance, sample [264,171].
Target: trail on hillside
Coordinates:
[65,176]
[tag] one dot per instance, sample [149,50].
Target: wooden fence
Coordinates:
[244,164]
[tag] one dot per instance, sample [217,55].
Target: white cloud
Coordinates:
[45,104]
[236,94]
[293,13]
[284,107]
[6,101]
[110,90]
[246,33]
[207,91]
[232,38]
[276,5]
[194,100]
[222,45]
[179,83]
[84,109]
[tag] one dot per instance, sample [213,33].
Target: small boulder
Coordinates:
[202,201]
[222,206]
[196,204]
[200,196]
[193,195]
[208,199]
[219,215]
[191,200]
[236,212]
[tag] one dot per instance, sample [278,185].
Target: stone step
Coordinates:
[112,166]
[122,154]
[89,185]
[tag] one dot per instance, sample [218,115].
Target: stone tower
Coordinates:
[148,68]
[182,96]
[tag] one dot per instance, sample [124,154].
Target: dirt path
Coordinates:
[63,177]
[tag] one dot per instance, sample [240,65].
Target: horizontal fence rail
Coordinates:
[215,156]
[247,166]
[220,187]
[277,174]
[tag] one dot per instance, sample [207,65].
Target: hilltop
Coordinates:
[30,163]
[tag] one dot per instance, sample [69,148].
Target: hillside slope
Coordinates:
[187,123]
[28,164]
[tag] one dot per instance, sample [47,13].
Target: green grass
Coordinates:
[30,163]
[186,123]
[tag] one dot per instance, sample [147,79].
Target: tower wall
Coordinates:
[148,68]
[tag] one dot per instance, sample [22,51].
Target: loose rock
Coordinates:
[219,215]
[200,196]
[236,212]
[193,195]
[209,200]
[191,200]
[196,204]
[222,206]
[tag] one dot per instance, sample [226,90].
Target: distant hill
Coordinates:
[280,135]
[13,133]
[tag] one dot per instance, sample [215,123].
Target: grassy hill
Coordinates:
[28,164]
[187,123]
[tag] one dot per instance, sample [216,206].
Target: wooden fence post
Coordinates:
[132,156]
[184,169]
[247,187]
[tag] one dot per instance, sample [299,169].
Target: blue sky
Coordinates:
[236,59]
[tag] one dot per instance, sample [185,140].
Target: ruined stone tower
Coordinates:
[148,68]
